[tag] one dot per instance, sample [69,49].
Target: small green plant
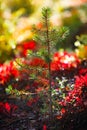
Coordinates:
[47,38]
[11,90]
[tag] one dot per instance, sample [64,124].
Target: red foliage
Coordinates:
[7,71]
[44,127]
[64,60]
[38,62]
[81,81]
[32,101]
[83,71]
[13,70]
[63,110]
[29,45]
[76,95]
[7,108]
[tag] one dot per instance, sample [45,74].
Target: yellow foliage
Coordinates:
[82,51]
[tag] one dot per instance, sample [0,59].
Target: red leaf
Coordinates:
[7,107]
[44,127]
